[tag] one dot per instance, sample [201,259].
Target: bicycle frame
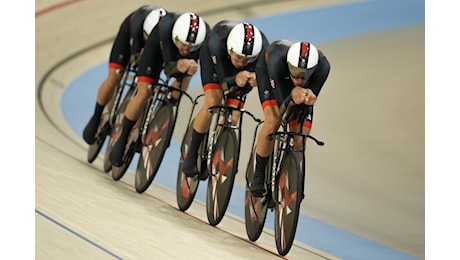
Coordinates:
[128,80]
[137,137]
[161,93]
[109,115]
[224,119]
[284,142]
[223,154]
[285,176]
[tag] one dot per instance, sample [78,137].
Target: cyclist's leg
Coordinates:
[234,99]
[235,114]
[202,122]
[105,93]
[294,127]
[213,95]
[300,143]
[118,60]
[264,146]
[132,114]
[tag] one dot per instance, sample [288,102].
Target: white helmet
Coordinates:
[303,55]
[189,28]
[152,19]
[245,40]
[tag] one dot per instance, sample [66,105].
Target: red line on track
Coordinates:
[54,7]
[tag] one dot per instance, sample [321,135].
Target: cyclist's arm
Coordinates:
[228,82]
[168,50]
[171,69]
[320,75]
[287,103]
[213,55]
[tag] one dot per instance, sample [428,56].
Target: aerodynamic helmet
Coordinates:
[245,40]
[302,57]
[152,20]
[189,28]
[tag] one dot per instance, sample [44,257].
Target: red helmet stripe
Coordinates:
[249,31]
[193,31]
[248,39]
[304,53]
[304,50]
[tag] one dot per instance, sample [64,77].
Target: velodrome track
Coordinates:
[359,183]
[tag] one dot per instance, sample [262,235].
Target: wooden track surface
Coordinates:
[369,182]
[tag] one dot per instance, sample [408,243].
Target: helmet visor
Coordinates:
[193,48]
[301,73]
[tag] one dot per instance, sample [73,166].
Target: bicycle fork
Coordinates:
[212,142]
[283,143]
[145,121]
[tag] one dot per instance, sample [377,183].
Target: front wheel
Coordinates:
[186,187]
[130,150]
[116,128]
[224,164]
[289,195]
[156,142]
[255,208]
[101,134]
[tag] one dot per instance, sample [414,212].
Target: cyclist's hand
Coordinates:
[303,95]
[252,79]
[182,65]
[309,97]
[242,78]
[187,66]
[193,67]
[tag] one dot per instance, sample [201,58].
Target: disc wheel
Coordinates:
[186,187]
[287,207]
[128,155]
[224,164]
[101,134]
[255,208]
[116,129]
[154,147]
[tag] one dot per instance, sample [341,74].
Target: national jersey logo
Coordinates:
[266,94]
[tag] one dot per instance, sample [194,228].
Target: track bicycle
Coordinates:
[284,182]
[151,135]
[218,157]
[107,123]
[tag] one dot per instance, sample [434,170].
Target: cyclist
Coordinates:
[228,58]
[291,71]
[174,46]
[128,44]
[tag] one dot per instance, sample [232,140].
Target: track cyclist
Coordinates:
[127,46]
[176,43]
[227,58]
[291,71]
